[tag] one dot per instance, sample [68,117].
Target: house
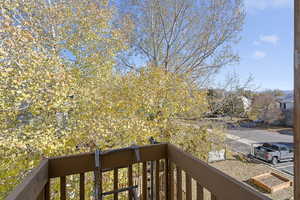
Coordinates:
[286,103]
[246,103]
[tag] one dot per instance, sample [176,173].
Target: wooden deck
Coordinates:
[167,159]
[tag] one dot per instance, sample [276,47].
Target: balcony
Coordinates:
[167,173]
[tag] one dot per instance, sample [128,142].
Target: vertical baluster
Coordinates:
[188,186]
[139,180]
[166,186]
[100,185]
[179,183]
[81,186]
[98,176]
[151,180]
[213,197]
[130,181]
[116,177]
[199,192]
[63,188]
[47,190]
[157,180]
[170,181]
[144,181]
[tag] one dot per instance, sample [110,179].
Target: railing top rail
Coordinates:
[32,185]
[117,158]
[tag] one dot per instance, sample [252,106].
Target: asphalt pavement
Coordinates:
[240,140]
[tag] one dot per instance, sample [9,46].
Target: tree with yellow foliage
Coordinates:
[60,94]
[49,51]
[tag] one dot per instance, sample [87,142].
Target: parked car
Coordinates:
[274,152]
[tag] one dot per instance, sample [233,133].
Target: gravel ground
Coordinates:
[243,171]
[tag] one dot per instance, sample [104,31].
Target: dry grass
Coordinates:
[243,171]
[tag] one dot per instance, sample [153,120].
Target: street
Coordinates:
[240,140]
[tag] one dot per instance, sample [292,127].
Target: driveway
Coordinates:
[241,139]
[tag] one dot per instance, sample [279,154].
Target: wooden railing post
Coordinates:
[188,186]
[130,182]
[116,182]
[63,188]
[144,180]
[200,195]
[297,100]
[47,190]
[82,186]
[179,183]
[166,177]
[170,180]
[157,189]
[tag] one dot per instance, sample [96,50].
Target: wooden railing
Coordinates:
[170,168]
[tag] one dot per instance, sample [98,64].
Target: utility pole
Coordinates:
[297,99]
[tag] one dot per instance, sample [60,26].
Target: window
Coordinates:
[283,149]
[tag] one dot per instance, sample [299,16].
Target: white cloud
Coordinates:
[259,55]
[263,4]
[273,39]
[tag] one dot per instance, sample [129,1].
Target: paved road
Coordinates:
[240,140]
[258,135]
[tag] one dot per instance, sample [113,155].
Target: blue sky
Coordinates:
[266,48]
